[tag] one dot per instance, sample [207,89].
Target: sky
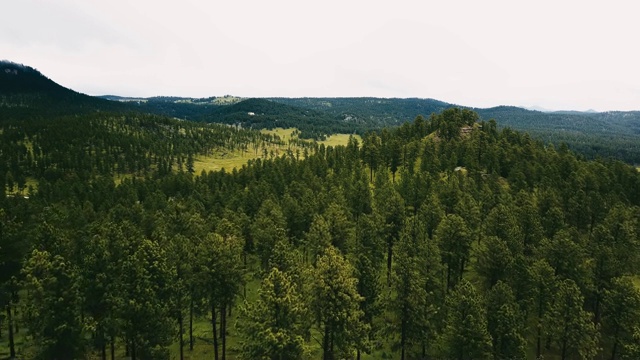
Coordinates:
[557,55]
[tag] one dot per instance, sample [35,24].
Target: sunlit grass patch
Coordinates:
[31,184]
[339,139]
[284,134]
[228,161]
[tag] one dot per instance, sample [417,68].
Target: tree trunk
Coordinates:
[215,334]
[113,348]
[15,316]
[539,342]
[223,331]
[244,285]
[389,262]
[133,350]
[12,346]
[402,338]
[448,278]
[596,311]
[325,343]
[331,346]
[103,348]
[191,325]
[181,329]
[539,332]
[615,343]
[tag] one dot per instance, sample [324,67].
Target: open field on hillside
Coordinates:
[332,140]
[231,160]
[339,139]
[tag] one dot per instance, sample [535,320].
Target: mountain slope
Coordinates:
[24,90]
[17,78]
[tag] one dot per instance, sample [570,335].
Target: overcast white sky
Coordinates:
[560,54]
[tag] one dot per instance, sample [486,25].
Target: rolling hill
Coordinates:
[26,92]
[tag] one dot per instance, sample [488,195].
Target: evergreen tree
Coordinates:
[495,261]
[417,288]
[543,289]
[53,306]
[367,259]
[220,274]
[336,304]
[98,284]
[390,205]
[455,244]
[570,327]
[621,317]
[268,227]
[466,335]
[505,323]
[144,308]
[371,152]
[274,327]
[318,238]
[341,227]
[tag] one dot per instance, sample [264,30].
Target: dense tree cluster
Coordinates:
[422,241]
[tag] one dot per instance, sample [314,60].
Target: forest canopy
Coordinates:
[445,237]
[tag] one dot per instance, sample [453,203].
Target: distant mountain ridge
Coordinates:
[24,91]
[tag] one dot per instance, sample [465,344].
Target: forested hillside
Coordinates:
[613,134]
[249,113]
[26,93]
[446,237]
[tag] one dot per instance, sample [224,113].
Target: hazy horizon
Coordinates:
[557,56]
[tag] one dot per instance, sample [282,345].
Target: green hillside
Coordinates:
[613,134]
[442,234]
[26,92]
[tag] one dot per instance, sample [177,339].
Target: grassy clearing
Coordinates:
[30,182]
[228,161]
[234,160]
[339,139]
[332,140]
[284,134]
